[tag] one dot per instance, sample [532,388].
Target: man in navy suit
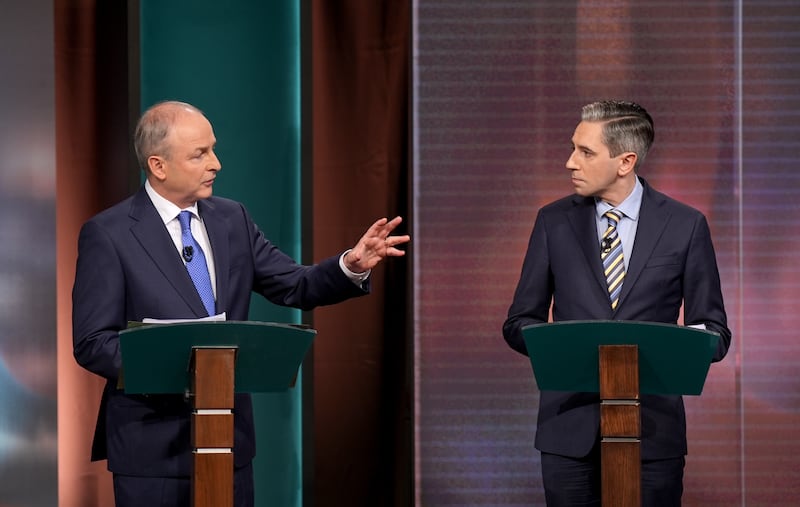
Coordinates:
[668,260]
[130,267]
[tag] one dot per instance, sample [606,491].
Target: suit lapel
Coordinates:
[652,222]
[581,218]
[217,229]
[149,231]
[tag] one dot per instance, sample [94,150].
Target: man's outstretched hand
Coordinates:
[376,244]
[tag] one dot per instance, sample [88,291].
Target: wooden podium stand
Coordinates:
[620,360]
[208,362]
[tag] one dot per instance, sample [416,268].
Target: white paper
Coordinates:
[212,318]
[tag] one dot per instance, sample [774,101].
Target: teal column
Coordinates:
[239,62]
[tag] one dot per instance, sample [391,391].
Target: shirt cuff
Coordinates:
[356,278]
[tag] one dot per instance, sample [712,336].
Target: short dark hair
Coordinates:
[627,126]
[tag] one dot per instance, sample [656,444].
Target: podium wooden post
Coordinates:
[208,362]
[620,360]
[212,372]
[620,426]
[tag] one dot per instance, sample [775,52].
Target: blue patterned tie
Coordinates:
[196,263]
[611,254]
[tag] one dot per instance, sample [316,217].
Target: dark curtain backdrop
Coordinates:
[92,160]
[355,116]
[359,410]
[362,383]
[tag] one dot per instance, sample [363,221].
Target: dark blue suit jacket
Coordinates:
[128,269]
[672,262]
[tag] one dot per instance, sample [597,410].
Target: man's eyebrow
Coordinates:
[583,147]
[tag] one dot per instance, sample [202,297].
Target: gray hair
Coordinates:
[627,126]
[153,128]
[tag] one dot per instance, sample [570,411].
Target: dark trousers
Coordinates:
[573,482]
[134,491]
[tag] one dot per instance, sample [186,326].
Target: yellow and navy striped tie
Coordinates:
[611,254]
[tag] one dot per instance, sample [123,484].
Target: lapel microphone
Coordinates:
[605,245]
[188,253]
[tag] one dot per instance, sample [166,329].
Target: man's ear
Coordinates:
[157,167]
[627,163]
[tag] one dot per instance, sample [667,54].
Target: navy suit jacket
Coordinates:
[128,269]
[672,262]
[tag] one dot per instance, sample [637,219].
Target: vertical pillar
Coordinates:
[212,426]
[620,426]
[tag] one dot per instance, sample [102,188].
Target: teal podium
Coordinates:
[208,362]
[620,360]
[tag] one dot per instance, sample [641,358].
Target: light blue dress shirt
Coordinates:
[627,225]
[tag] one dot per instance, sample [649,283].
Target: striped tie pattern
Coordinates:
[196,263]
[611,254]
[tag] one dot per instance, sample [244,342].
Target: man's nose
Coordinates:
[570,163]
[216,165]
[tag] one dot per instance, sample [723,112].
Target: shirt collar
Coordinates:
[629,207]
[167,210]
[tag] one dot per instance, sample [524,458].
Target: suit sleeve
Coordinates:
[533,296]
[98,303]
[703,303]
[284,282]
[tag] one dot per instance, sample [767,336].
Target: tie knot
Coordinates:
[613,216]
[185,217]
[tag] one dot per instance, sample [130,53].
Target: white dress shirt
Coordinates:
[169,215]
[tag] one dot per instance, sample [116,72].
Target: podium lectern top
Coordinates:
[156,357]
[672,359]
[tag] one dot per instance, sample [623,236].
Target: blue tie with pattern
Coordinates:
[611,254]
[196,263]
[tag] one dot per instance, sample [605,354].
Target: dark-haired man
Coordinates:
[616,250]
